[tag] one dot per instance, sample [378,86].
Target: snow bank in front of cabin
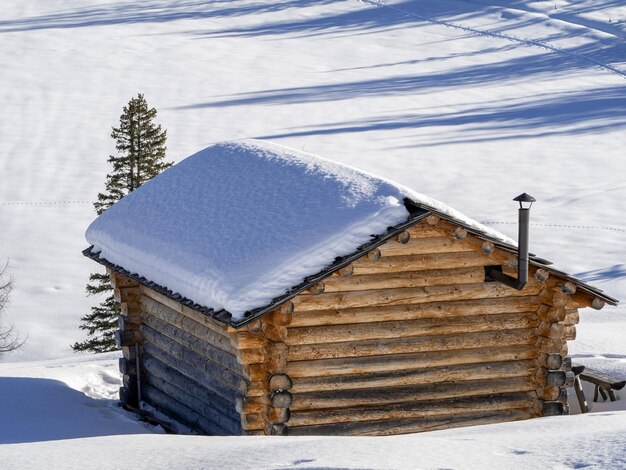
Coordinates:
[239,223]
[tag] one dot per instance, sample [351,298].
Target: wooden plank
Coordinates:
[206,320]
[440,310]
[386,380]
[397,362]
[192,395]
[437,277]
[422,246]
[571,317]
[403,426]
[193,365]
[424,230]
[415,411]
[412,393]
[197,345]
[398,264]
[412,344]
[185,415]
[410,328]
[407,296]
[187,324]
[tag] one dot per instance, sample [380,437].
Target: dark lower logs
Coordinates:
[216,408]
[178,411]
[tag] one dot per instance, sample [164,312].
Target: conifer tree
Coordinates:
[140,144]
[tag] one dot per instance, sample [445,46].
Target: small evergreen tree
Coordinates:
[140,145]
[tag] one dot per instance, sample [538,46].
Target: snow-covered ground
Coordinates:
[470,102]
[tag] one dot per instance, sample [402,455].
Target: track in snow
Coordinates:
[509,37]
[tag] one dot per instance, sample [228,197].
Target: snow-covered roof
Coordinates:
[238,224]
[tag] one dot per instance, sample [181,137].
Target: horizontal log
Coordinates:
[217,356]
[415,311]
[551,378]
[126,294]
[412,345]
[192,365]
[551,314]
[597,303]
[250,356]
[460,233]
[550,330]
[252,405]
[433,219]
[130,352]
[553,297]
[569,333]
[127,338]
[386,380]
[549,393]
[119,280]
[542,275]
[275,429]
[551,361]
[253,422]
[423,246]
[199,317]
[127,367]
[278,415]
[128,323]
[280,382]
[407,296]
[437,277]
[192,395]
[409,394]
[282,316]
[568,287]
[398,264]
[403,237]
[423,230]
[276,358]
[130,309]
[185,415]
[416,411]
[270,331]
[404,426]
[281,399]
[571,317]
[346,271]
[315,289]
[410,328]
[398,362]
[188,325]
[550,345]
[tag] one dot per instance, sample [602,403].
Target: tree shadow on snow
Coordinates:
[616,271]
[155,11]
[575,113]
[33,410]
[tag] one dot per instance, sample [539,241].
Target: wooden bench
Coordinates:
[604,383]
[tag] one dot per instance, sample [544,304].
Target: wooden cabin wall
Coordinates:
[188,367]
[408,338]
[411,338]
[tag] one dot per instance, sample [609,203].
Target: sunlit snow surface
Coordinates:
[465,117]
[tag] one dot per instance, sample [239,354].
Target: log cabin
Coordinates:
[397,315]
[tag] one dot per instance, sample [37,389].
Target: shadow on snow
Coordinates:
[33,409]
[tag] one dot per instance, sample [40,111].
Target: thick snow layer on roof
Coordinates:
[240,223]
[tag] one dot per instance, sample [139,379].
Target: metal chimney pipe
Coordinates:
[523,233]
[522,246]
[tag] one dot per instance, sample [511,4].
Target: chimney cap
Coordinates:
[524,197]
